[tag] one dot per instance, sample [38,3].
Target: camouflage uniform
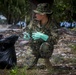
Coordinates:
[37,45]
[40,48]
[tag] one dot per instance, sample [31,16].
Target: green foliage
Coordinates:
[17,71]
[14,10]
[63,10]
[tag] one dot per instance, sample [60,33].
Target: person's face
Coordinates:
[39,17]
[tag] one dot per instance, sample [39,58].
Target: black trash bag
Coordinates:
[7,52]
[1,36]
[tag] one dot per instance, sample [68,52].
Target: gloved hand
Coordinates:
[39,35]
[26,36]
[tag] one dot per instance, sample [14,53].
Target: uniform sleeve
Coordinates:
[53,37]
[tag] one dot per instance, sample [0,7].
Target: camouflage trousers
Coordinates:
[44,50]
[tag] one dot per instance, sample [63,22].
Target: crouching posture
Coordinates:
[41,34]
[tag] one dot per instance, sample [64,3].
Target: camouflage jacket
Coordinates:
[48,29]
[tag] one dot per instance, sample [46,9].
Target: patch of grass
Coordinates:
[22,71]
[18,71]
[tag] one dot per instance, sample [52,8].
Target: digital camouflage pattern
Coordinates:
[42,48]
[43,8]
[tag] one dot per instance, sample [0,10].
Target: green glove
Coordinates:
[26,36]
[39,35]
[36,36]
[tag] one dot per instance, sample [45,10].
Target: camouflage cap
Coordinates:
[43,8]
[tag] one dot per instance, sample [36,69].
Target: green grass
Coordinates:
[23,71]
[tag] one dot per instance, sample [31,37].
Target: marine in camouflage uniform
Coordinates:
[41,48]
